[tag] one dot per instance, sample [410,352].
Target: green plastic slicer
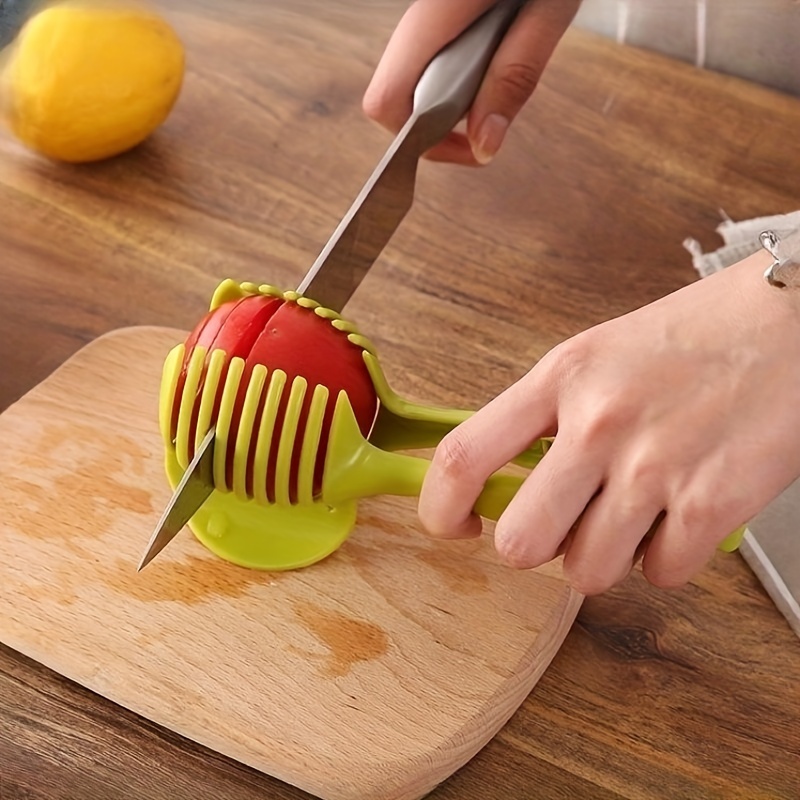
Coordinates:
[269,526]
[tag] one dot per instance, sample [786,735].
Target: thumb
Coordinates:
[515,72]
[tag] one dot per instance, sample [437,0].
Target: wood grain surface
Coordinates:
[372,675]
[620,156]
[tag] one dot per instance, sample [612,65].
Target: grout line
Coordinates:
[702,33]
[623,16]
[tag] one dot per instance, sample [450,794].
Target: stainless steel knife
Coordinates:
[193,489]
[442,97]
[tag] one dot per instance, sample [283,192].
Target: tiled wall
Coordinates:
[756,39]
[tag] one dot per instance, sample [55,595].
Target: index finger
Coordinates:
[425,28]
[479,447]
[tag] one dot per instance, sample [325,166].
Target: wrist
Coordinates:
[784,269]
[775,302]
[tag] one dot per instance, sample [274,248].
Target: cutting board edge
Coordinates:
[98,341]
[513,691]
[381,782]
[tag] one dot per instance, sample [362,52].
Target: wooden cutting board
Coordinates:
[373,674]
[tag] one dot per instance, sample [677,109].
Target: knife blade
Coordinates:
[442,97]
[194,488]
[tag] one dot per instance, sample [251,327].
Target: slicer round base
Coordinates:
[266,537]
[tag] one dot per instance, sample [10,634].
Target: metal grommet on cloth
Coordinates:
[784,269]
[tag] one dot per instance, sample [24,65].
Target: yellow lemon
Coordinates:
[87,80]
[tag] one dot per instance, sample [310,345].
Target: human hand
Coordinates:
[687,407]
[426,27]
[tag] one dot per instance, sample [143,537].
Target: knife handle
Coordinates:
[451,80]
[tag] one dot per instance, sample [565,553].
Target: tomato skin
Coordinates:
[242,327]
[302,343]
[232,327]
[281,335]
[203,335]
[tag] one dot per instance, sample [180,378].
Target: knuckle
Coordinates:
[696,513]
[519,549]
[375,104]
[569,360]
[518,80]
[705,508]
[644,474]
[454,456]
[514,554]
[601,421]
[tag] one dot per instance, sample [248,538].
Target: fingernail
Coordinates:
[490,136]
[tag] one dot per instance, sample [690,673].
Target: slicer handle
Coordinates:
[500,490]
[451,81]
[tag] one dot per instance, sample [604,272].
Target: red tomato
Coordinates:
[280,335]
[244,324]
[301,343]
[203,335]
[232,327]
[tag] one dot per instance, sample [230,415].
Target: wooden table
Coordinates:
[620,156]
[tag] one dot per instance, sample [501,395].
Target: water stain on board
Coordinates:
[78,483]
[82,482]
[378,522]
[71,486]
[457,564]
[63,593]
[348,640]
[54,437]
[454,563]
[457,571]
